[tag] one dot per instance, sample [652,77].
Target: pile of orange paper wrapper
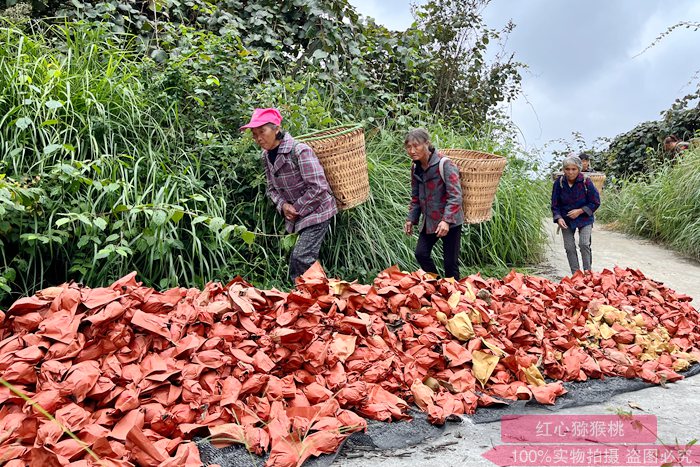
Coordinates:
[136,374]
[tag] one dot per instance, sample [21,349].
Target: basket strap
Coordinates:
[441,167]
[295,160]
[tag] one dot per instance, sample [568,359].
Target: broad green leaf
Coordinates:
[83,241]
[288,241]
[248,237]
[51,148]
[226,231]
[159,55]
[100,223]
[111,238]
[216,223]
[159,217]
[121,208]
[53,104]
[23,123]
[177,216]
[121,251]
[319,54]
[104,252]
[84,219]
[63,221]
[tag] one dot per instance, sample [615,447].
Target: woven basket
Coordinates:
[479,173]
[341,151]
[598,179]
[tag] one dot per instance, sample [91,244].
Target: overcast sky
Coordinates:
[584,73]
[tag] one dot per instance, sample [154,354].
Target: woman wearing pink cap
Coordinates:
[296,184]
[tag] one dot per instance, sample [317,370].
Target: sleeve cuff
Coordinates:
[587,210]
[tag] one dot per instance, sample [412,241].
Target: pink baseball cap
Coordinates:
[262,116]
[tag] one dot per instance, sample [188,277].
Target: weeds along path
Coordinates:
[612,248]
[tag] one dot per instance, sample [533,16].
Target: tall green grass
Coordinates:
[117,190]
[126,165]
[663,206]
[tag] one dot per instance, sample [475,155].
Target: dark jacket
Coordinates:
[436,200]
[581,195]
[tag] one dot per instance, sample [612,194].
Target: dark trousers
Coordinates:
[306,250]
[450,248]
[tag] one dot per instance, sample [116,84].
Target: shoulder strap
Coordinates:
[441,167]
[294,157]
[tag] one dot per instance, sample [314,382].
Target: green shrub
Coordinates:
[114,163]
[116,190]
[640,151]
[664,206]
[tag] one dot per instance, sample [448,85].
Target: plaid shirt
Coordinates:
[565,198]
[436,200]
[300,181]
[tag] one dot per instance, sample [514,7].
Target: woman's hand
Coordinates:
[574,213]
[562,224]
[408,228]
[290,213]
[442,229]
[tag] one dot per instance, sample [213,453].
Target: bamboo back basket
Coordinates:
[598,179]
[479,174]
[341,151]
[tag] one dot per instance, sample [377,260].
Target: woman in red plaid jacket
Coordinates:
[436,193]
[297,186]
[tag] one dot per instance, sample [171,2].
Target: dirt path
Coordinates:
[676,406]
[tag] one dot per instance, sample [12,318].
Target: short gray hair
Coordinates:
[419,135]
[572,160]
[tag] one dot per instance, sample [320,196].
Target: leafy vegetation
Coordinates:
[640,150]
[664,206]
[98,178]
[120,150]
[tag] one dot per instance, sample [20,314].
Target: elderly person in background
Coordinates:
[674,146]
[436,193]
[585,162]
[574,200]
[297,186]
